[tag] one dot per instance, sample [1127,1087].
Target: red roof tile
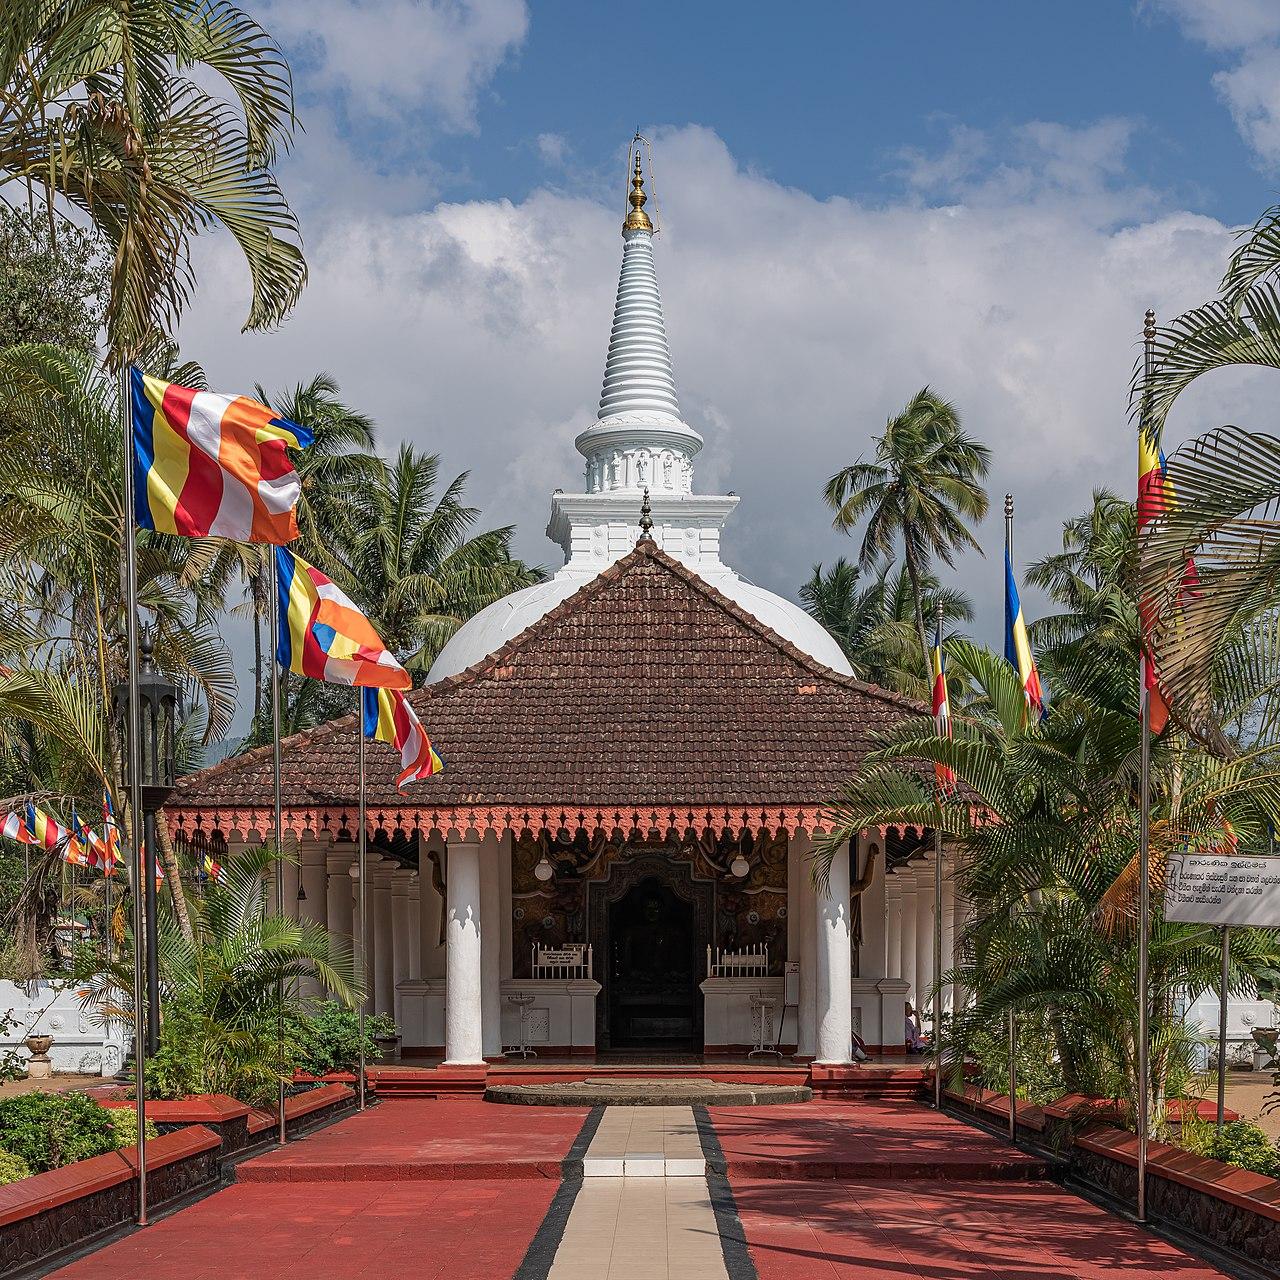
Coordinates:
[646,687]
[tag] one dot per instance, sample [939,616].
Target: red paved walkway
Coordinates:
[433,1140]
[334,1231]
[861,1140]
[945,1231]
[402,1191]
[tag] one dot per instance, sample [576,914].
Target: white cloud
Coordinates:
[387,58]
[1250,89]
[797,326]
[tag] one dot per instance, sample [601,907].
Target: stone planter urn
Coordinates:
[387,1046]
[39,1065]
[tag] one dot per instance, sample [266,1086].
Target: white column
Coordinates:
[338,898]
[313,907]
[505,854]
[948,931]
[463,1016]
[432,958]
[893,925]
[384,978]
[909,934]
[924,938]
[491,945]
[415,927]
[403,940]
[806,907]
[834,955]
[871,953]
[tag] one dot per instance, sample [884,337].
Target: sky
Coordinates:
[856,200]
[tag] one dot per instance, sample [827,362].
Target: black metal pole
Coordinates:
[153,953]
[1224,991]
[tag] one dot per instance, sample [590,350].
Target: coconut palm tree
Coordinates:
[416,567]
[100,117]
[923,489]
[875,624]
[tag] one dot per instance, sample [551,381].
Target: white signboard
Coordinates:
[1210,888]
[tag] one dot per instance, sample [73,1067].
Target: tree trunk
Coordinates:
[173,875]
[913,574]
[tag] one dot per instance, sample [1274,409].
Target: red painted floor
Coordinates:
[408,1139]
[334,1231]
[863,1140]
[945,1231]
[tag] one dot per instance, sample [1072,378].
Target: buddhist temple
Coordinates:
[640,752]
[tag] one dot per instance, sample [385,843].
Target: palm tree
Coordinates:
[923,488]
[416,567]
[99,115]
[220,985]
[1044,829]
[875,624]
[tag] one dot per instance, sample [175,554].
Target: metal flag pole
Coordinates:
[1223,993]
[273,627]
[1013,1025]
[133,746]
[1144,821]
[937,922]
[364,918]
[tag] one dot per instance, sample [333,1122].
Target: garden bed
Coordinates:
[1227,1211]
[54,1214]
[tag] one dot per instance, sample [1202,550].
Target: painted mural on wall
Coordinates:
[749,911]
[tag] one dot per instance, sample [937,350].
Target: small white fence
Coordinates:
[751,963]
[573,960]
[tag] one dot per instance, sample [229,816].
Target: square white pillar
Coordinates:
[805,908]
[380,928]
[834,967]
[491,945]
[403,940]
[871,954]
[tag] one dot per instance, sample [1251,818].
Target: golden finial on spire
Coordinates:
[637,219]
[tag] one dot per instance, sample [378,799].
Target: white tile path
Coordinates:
[644,1209]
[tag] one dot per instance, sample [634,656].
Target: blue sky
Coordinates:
[857,199]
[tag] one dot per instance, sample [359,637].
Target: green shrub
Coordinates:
[50,1130]
[1240,1143]
[12,1168]
[124,1120]
[199,1054]
[329,1038]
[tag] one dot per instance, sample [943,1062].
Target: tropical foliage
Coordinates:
[223,1018]
[105,115]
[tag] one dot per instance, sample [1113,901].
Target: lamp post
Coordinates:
[157,718]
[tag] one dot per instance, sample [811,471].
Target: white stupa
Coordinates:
[639,441]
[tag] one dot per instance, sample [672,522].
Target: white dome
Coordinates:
[505,619]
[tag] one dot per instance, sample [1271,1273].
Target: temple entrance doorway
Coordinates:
[653,997]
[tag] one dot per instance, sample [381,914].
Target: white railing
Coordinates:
[750,963]
[573,960]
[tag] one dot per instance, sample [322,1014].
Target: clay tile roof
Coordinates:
[647,686]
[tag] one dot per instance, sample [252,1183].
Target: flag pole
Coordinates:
[133,746]
[1013,1025]
[1144,817]
[364,917]
[1223,992]
[273,628]
[937,920]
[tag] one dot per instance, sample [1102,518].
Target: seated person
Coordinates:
[859,1048]
[917,1042]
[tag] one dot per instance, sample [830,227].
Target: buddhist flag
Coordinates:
[389,718]
[212,868]
[1017,648]
[111,832]
[324,636]
[33,826]
[946,778]
[209,465]
[1151,503]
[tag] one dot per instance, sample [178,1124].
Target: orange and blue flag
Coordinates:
[324,636]
[208,465]
[1152,502]
[944,775]
[389,718]
[1017,647]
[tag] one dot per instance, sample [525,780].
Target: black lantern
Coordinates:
[158,711]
